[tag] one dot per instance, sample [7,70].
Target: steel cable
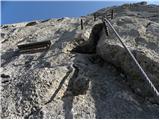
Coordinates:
[132,56]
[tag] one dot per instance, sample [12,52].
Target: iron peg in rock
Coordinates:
[94,17]
[107,30]
[112,13]
[105,27]
[102,17]
[81,24]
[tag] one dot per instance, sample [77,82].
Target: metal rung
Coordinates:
[36,46]
[108,15]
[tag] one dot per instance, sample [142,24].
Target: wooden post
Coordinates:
[81,24]
[112,14]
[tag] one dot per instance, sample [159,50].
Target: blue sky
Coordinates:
[21,11]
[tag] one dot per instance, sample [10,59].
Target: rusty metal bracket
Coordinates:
[105,27]
[81,24]
[95,16]
[112,14]
[34,47]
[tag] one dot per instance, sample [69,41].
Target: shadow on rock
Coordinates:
[77,85]
[9,56]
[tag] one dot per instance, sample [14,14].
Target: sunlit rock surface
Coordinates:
[84,73]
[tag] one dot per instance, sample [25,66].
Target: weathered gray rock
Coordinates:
[141,37]
[71,80]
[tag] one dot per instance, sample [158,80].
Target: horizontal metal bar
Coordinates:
[35,45]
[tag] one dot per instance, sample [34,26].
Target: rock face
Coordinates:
[84,74]
[141,37]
